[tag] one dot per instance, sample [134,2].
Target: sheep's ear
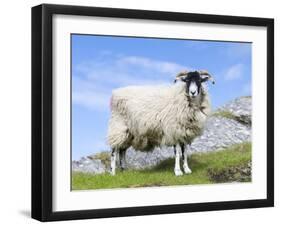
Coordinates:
[182,76]
[205,76]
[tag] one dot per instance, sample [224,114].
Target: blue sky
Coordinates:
[103,63]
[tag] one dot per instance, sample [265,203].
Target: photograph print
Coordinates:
[150,112]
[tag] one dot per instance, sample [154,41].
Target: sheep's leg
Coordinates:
[186,168]
[113,161]
[182,151]
[177,169]
[122,160]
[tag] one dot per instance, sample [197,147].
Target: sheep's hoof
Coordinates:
[187,170]
[112,173]
[178,172]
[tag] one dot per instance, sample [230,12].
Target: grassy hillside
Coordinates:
[231,164]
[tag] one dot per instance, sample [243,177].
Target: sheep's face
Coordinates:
[193,84]
[194,81]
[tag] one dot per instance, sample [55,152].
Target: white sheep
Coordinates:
[144,117]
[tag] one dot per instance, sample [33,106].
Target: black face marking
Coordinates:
[195,77]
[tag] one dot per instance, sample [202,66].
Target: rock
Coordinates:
[220,132]
[88,165]
[241,108]
[141,160]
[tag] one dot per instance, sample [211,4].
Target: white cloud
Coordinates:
[160,66]
[92,100]
[234,72]
[93,81]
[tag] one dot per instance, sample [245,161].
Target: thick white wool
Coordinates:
[147,116]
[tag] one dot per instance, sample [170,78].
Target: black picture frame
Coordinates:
[42,111]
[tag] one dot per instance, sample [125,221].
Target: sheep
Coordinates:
[145,117]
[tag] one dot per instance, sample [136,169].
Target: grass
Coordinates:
[225,114]
[230,115]
[227,165]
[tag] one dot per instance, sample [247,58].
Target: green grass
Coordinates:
[230,115]
[225,114]
[221,166]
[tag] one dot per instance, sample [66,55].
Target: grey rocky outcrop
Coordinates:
[88,165]
[241,108]
[229,124]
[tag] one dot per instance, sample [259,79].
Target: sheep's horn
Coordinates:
[207,75]
[181,75]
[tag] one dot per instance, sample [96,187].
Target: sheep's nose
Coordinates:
[193,93]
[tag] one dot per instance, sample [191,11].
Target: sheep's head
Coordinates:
[194,80]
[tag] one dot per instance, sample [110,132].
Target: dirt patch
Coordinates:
[232,174]
[146,185]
